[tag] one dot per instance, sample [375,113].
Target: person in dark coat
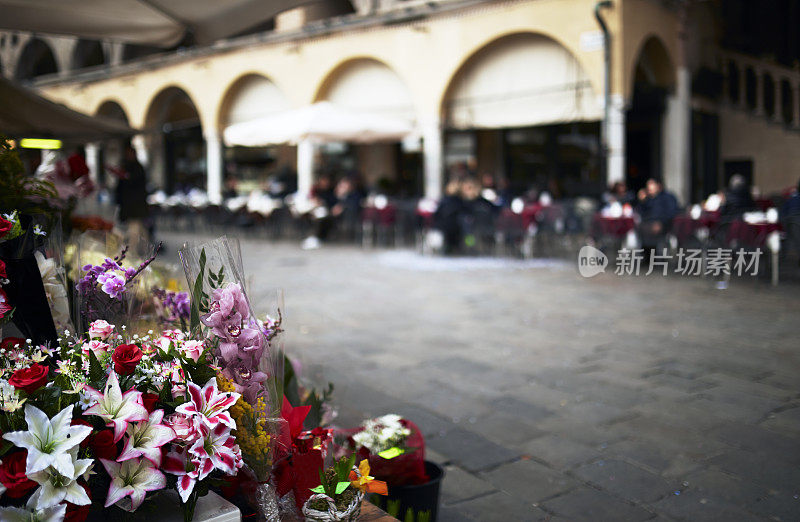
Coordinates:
[657,208]
[447,217]
[737,199]
[131,196]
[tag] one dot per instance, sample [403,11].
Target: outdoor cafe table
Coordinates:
[742,233]
[616,227]
[684,226]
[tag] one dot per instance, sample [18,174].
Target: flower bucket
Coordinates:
[416,497]
[350,514]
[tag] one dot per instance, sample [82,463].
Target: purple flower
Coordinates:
[228,307]
[112,284]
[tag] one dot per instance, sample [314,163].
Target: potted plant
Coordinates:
[395,449]
[341,491]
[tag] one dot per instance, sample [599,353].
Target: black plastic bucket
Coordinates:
[418,498]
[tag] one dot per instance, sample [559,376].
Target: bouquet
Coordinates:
[110,417]
[395,449]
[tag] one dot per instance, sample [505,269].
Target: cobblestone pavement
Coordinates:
[552,397]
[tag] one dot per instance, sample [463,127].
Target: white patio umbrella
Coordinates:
[161,23]
[319,123]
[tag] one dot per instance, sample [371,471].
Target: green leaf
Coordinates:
[341,486]
[319,489]
[391,453]
[96,372]
[197,294]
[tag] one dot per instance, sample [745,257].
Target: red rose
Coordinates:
[149,400]
[12,343]
[126,357]
[29,379]
[5,226]
[12,475]
[78,513]
[3,274]
[102,445]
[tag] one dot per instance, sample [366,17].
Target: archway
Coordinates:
[370,86]
[522,111]
[36,59]
[653,80]
[251,97]
[108,153]
[88,53]
[177,156]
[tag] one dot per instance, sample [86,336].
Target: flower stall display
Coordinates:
[108,418]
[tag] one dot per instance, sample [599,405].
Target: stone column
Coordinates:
[615,129]
[795,123]
[432,153]
[676,137]
[305,168]
[214,167]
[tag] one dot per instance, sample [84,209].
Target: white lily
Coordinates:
[56,487]
[48,441]
[146,438]
[116,408]
[133,478]
[30,513]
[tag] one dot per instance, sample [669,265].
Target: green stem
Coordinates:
[188,507]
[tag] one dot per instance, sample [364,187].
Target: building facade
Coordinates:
[514,88]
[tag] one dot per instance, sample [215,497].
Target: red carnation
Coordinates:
[12,475]
[126,357]
[3,273]
[102,445]
[5,226]
[29,379]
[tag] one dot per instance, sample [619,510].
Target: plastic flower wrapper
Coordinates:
[22,285]
[108,285]
[248,355]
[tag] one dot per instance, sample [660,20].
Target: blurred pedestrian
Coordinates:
[447,216]
[657,208]
[131,196]
[737,199]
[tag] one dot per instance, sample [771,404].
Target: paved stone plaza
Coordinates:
[552,397]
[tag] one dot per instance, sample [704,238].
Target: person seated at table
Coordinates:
[619,193]
[737,199]
[790,217]
[347,209]
[447,215]
[657,208]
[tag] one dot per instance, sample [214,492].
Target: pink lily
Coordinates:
[114,407]
[189,468]
[219,446]
[146,438]
[133,478]
[207,406]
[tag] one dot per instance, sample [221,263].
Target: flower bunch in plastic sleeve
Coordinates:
[247,361]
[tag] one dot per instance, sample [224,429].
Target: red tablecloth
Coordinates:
[383,216]
[684,226]
[746,234]
[608,226]
[425,217]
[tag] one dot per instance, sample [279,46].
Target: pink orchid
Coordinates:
[228,307]
[146,438]
[116,408]
[188,467]
[133,478]
[219,446]
[207,407]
